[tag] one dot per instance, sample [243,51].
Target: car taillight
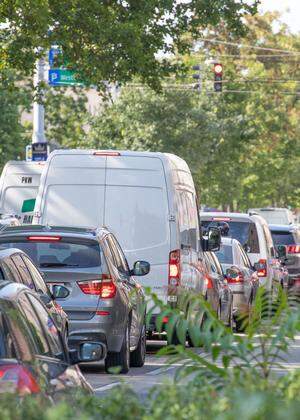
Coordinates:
[174,268]
[238,278]
[208,282]
[262,268]
[104,153]
[293,249]
[44,238]
[20,377]
[105,288]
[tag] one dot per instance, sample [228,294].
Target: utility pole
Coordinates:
[38,135]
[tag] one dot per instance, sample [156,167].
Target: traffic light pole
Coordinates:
[38,135]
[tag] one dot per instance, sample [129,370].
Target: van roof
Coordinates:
[173,159]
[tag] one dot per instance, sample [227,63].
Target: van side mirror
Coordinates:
[281,251]
[213,241]
[140,268]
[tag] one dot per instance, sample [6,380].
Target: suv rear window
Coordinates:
[59,254]
[244,232]
[283,238]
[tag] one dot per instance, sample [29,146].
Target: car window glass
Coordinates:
[193,220]
[23,270]
[183,218]
[48,326]
[212,265]
[269,240]
[116,255]
[244,258]
[41,344]
[224,254]
[122,258]
[10,271]
[283,238]
[18,336]
[217,264]
[37,278]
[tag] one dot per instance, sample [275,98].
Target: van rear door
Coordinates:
[74,190]
[137,211]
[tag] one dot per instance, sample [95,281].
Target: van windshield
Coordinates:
[244,232]
[59,254]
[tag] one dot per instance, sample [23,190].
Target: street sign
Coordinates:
[40,152]
[63,77]
[28,153]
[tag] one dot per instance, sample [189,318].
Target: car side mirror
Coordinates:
[87,353]
[140,268]
[213,239]
[281,251]
[59,291]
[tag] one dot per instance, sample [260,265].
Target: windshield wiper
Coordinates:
[58,264]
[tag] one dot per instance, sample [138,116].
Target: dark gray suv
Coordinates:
[89,276]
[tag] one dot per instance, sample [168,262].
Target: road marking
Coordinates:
[106,387]
[160,370]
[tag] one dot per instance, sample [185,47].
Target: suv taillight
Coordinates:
[105,288]
[174,268]
[20,377]
[262,268]
[293,249]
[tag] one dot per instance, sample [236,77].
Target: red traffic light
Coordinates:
[218,68]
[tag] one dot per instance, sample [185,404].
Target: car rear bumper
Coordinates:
[97,330]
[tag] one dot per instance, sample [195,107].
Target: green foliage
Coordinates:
[12,134]
[242,145]
[113,40]
[66,117]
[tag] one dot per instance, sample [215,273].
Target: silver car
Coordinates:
[240,275]
[289,236]
[90,278]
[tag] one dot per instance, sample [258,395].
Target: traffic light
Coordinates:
[218,72]
[197,76]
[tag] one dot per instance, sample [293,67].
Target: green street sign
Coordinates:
[63,77]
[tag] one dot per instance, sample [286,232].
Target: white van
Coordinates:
[19,185]
[147,199]
[255,236]
[274,215]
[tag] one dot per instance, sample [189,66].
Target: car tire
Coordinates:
[120,359]
[137,357]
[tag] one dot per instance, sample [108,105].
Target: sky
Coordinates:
[291,17]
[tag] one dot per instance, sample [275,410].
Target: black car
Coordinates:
[33,356]
[16,266]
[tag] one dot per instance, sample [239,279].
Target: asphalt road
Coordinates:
[156,370]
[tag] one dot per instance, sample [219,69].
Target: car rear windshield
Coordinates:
[244,232]
[225,254]
[59,254]
[283,238]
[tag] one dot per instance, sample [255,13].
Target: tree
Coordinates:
[66,117]
[242,145]
[110,40]
[12,134]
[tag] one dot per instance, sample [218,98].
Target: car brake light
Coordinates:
[239,278]
[174,268]
[221,219]
[44,238]
[208,282]
[262,268]
[21,377]
[102,313]
[105,288]
[106,153]
[293,249]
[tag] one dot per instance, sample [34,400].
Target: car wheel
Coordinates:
[137,357]
[120,359]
